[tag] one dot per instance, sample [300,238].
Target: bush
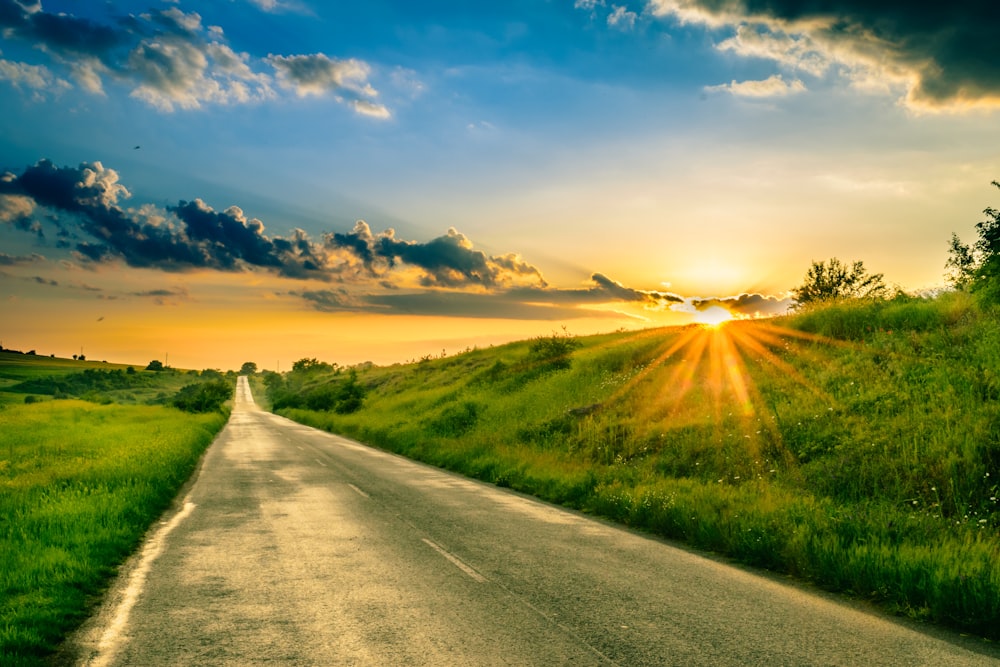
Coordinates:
[553,351]
[203,396]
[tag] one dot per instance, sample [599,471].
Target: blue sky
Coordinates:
[387,179]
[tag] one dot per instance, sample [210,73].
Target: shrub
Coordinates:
[203,396]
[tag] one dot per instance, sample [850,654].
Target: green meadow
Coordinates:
[853,445]
[80,483]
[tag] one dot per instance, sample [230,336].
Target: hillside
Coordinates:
[856,446]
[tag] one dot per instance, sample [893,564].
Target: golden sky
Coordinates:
[267,181]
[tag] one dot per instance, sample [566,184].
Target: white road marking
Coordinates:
[112,639]
[359,491]
[456,562]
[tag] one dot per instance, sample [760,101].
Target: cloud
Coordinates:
[165,297]
[280,6]
[621,18]
[365,271]
[446,261]
[938,56]
[85,205]
[37,78]
[318,74]
[538,302]
[85,200]
[170,61]
[501,305]
[773,86]
[18,260]
[744,305]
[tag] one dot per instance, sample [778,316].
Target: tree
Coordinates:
[309,365]
[977,267]
[155,365]
[248,368]
[962,263]
[203,396]
[833,280]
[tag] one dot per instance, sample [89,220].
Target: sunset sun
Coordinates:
[713,316]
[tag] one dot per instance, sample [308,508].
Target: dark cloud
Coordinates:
[198,237]
[377,272]
[17,260]
[446,261]
[538,302]
[945,52]
[83,203]
[603,290]
[749,305]
[165,297]
[502,305]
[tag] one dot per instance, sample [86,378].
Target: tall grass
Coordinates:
[855,445]
[79,485]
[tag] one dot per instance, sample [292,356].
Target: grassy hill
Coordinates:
[41,378]
[855,445]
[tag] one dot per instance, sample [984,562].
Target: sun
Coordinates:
[713,316]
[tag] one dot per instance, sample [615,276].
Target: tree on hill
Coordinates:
[833,280]
[248,368]
[154,365]
[977,267]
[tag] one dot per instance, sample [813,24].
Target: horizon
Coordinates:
[270,180]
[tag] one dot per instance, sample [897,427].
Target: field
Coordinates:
[856,446]
[80,483]
[42,378]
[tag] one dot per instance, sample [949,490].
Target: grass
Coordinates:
[80,483]
[855,445]
[32,378]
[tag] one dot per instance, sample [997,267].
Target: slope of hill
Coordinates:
[855,445]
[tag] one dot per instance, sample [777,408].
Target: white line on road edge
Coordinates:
[456,562]
[111,640]
[359,491]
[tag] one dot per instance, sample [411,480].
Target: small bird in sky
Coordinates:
[100,318]
[136,148]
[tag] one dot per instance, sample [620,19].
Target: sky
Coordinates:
[268,180]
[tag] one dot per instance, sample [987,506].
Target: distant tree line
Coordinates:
[83,382]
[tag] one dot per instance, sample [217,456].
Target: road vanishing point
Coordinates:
[297,547]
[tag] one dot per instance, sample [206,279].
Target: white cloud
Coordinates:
[13,207]
[366,108]
[35,77]
[621,18]
[773,86]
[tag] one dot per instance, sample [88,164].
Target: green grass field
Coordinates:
[856,446]
[80,483]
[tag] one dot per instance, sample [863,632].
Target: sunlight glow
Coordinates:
[713,316]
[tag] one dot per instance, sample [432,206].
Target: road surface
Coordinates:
[297,547]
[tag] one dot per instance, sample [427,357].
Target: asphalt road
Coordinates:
[296,547]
